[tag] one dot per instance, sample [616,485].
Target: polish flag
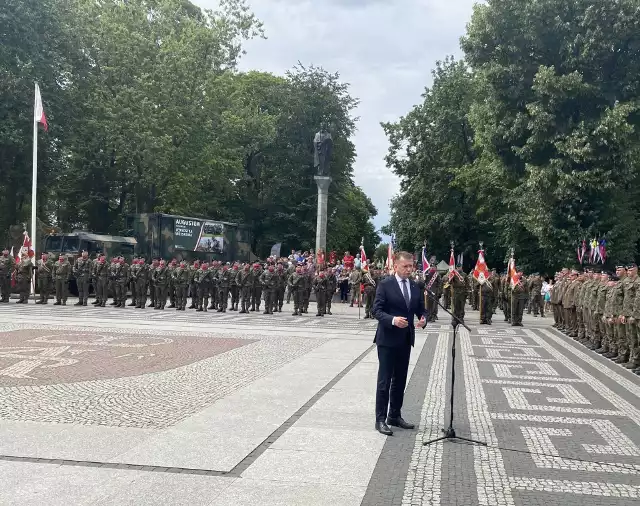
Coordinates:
[481,272]
[38,110]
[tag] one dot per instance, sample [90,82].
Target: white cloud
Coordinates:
[384,48]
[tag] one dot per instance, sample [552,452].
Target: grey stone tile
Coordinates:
[330,441]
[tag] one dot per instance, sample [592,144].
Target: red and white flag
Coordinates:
[26,246]
[425,263]
[512,273]
[363,259]
[452,265]
[389,265]
[38,110]
[481,271]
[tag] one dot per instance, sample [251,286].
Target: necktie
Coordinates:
[405,292]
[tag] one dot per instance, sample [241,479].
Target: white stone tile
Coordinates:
[330,440]
[313,467]
[250,492]
[167,489]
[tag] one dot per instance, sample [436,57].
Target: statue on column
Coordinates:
[322,148]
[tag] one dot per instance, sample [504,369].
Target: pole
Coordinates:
[34,186]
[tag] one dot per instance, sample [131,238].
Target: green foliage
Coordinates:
[548,98]
[149,113]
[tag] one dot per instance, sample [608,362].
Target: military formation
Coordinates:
[602,311]
[214,286]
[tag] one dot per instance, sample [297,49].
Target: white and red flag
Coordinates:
[363,259]
[481,271]
[452,265]
[425,263]
[38,110]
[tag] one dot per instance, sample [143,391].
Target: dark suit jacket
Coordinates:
[390,302]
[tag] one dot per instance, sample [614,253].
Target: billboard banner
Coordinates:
[198,235]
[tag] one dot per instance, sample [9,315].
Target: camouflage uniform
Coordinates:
[486,309]
[203,279]
[171,289]
[355,278]
[600,330]
[256,289]
[332,285]
[609,345]
[142,280]
[234,285]
[620,328]
[268,281]
[224,282]
[180,283]
[193,287]
[61,275]
[634,333]
[432,280]
[320,289]
[7,265]
[459,295]
[24,275]
[281,283]
[45,279]
[630,296]
[535,288]
[245,282]
[369,294]
[296,286]
[160,281]
[520,296]
[101,274]
[82,273]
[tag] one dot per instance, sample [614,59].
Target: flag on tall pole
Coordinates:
[38,117]
[363,257]
[452,264]
[481,271]
[425,263]
[389,263]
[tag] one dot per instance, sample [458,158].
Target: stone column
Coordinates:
[323,183]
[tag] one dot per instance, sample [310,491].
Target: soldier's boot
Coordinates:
[79,303]
[56,303]
[133,303]
[621,359]
[631,365]
[114,303]
[96,302]
[366,316]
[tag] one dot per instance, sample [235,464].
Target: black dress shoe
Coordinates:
[399,422]
[382,428]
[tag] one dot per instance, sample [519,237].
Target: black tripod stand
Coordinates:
[450,432]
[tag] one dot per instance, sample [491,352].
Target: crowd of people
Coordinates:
[219,286]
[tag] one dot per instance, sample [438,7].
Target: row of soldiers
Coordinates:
[602,311]
[245,284]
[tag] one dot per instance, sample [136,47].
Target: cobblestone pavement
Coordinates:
[120,406]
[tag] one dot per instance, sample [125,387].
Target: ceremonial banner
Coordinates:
[481,272]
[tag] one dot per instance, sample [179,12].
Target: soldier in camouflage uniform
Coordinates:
[245,282]
[7,265]
[585,298]
[215,270]
[633,333]
[599,300]
[459,284]
[134,270]
[520,296]
[155,263]
[369,294]
[45,268]
[332,286]
[569,305]
[535,289]
[579,298]
[224,282]
[61,275]
[193,287]
[142,282]
[446,294]
[609,348]
[290,270]
[256,289]
[101,275]
[618,316]
[431,282]
[627,316]
[171,289]
[296,286]
[234,287]
[204,283]
[24,275]
[82,273]
[180,284]
[268,281]
[320,289]
[485,294]
[121,282]
[472,288]
[160,281]
[281,284]
[355,278]
[506,298]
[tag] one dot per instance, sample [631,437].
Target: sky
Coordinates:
[385,50]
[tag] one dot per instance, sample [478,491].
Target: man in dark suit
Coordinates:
[398,300]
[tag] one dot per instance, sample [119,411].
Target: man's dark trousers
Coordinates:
[392,379]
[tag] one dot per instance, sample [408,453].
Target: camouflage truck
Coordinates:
[170,236]
[71,245]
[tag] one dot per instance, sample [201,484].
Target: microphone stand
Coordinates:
[450,432]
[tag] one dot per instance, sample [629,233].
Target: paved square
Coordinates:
[111,406]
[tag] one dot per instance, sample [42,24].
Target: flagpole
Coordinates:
[450,283]
[34,185]
[512,268]
[479,289]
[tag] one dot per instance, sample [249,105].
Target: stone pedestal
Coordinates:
[323,183]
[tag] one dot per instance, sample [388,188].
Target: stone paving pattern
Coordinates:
[254,409]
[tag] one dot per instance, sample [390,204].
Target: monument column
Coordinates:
[323,183]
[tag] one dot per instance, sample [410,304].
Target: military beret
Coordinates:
[632,266]
[620,267]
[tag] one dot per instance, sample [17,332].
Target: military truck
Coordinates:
[169,236]
[72,245]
